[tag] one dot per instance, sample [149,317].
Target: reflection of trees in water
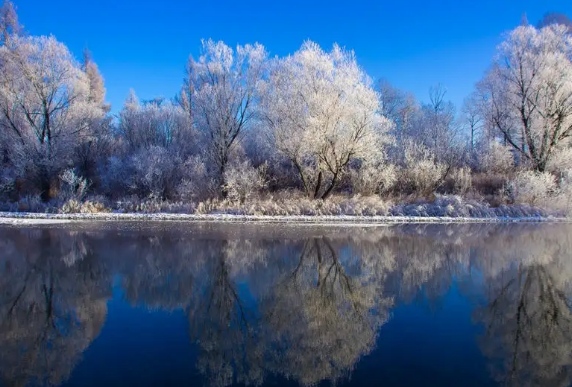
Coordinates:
[527,317]
[157,272]
[525,275]
[324,313]
[304,306]
[51,305]
[222,324]
[317,315]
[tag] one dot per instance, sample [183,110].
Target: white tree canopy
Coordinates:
[528,92]
[323,113]
[44,101]
[224,84]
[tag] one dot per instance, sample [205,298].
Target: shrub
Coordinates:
[115,176]
[196,184]
[532,187]
[73,206]
[73,186]
[242,181]
[7,181]
[455,206]
[91,207]
[561,162]
[461,179]
[422,173]
[494,157]
[155,172]
[153,205]
[488,183]
[207,207]
[297,204]
[563,199]
[372,179]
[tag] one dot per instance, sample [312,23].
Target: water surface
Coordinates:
[180,304]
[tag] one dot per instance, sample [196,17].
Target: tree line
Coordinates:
[311,124]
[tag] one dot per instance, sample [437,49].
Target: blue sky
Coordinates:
[414,44]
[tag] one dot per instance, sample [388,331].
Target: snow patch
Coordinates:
[16,218]
[29,221]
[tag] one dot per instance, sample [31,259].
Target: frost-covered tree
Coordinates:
[472,118]
[436,129]
[154,123]
[396,105]
[9,25]
[96,84]
[528,92]
[45,106]
[323,113]
[185,96]
[99,145]
[157,138]
[224,84]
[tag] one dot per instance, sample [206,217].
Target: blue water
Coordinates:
[221,305]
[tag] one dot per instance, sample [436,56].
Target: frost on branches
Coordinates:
[223,83]
[305,134]
[45,105]
[322,114]
[528,92]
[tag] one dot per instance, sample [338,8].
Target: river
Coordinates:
[207,304]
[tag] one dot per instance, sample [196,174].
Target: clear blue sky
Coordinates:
[414,44]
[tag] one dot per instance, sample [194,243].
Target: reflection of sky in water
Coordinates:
[432,333]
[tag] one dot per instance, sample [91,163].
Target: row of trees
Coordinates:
[243,122]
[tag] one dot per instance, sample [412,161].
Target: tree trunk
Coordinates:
[330,189]
[318,185]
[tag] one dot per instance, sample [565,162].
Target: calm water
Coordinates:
[220,305]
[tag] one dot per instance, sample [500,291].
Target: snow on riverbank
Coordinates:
[29,221]
[19,218]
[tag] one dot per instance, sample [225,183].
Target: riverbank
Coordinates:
[20,218]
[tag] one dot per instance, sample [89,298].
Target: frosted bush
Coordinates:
[532,187]
[196,184]
[115,176]
[561,161]
[422,173]
[371,179]
[72,206]
[152,205]
[563,200]
[456,207]
[288,204]
[363,206]
[462,180]
[155,171]
[73,186]
[207,207]
[93,207]
[495,157]
[242,181]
